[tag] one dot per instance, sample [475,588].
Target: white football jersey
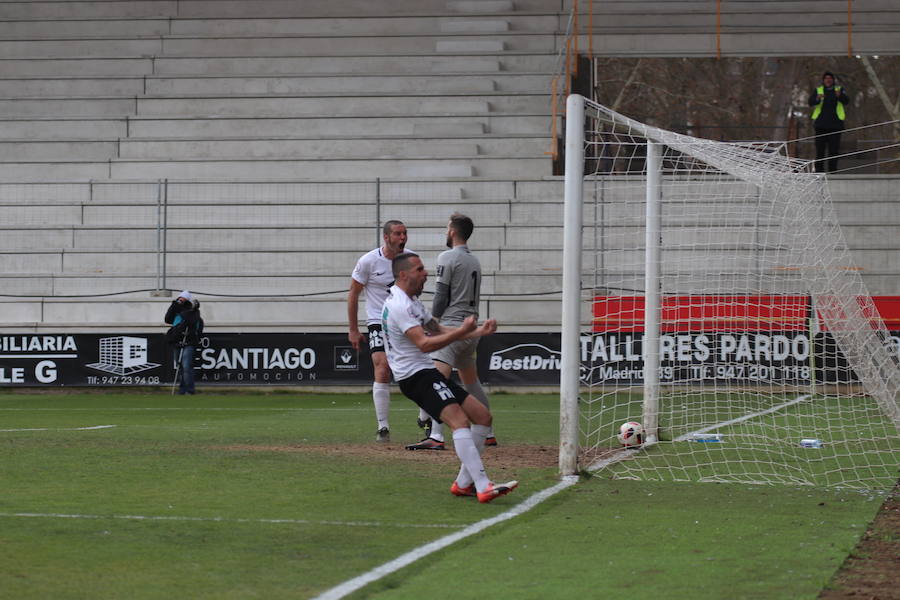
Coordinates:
[373,271]
[401,313]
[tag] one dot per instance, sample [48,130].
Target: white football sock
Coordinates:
[381,396]
[437,430]
[470,459]
[479,434]
[463,479]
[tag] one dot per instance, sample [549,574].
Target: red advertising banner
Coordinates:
[722,313]
[889,309]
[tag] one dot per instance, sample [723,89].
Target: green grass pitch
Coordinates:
[285,494]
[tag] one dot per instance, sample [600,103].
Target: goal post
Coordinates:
[652,244]
[709,293]
[570,359]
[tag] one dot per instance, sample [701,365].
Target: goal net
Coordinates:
[709,295]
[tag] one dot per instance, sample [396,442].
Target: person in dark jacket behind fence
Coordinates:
[828,101]
[184,335]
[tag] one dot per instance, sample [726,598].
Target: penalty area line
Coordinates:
[28,515]
[352,585]
[747,417]
[92,427]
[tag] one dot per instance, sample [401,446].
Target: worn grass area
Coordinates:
[284,495]
[871,569]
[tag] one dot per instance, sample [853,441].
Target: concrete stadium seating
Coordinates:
[286,130]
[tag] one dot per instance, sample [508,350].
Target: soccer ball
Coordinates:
[631,434]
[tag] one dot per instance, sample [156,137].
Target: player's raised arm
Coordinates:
[443,336]
[433,336]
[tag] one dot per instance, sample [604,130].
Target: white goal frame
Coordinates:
[879,374]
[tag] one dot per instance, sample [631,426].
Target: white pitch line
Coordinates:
[351,585]
[709,428]
[250,409]
[196,408]
[63,428]
[228,520]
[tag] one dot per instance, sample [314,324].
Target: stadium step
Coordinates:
[267,26]
[346,83]
[96,128]
[84,150]
[175,128]
[238,262]
[71,86]
[76,67]
[320,148]
[255,148]
[321,46]
[298,106]
[422,63]
[187,9]
[67,107]
[275,169]
[369,168]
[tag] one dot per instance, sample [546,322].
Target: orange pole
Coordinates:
[553,102]
[849,28]
[718,28]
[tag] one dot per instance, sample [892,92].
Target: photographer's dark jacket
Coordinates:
[187,324]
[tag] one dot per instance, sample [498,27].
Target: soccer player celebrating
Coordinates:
[373,274]
[410,333]
[457,295]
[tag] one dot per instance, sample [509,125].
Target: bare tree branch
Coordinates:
[628,82]
[892,108]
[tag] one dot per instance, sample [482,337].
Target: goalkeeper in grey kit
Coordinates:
[456,296]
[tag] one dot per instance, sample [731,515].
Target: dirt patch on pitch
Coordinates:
[871,571]
[505,456]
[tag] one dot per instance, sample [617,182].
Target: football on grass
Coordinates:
[631,434]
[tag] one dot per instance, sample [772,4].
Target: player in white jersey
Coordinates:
[373,274]
[410,333]
[457,295]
